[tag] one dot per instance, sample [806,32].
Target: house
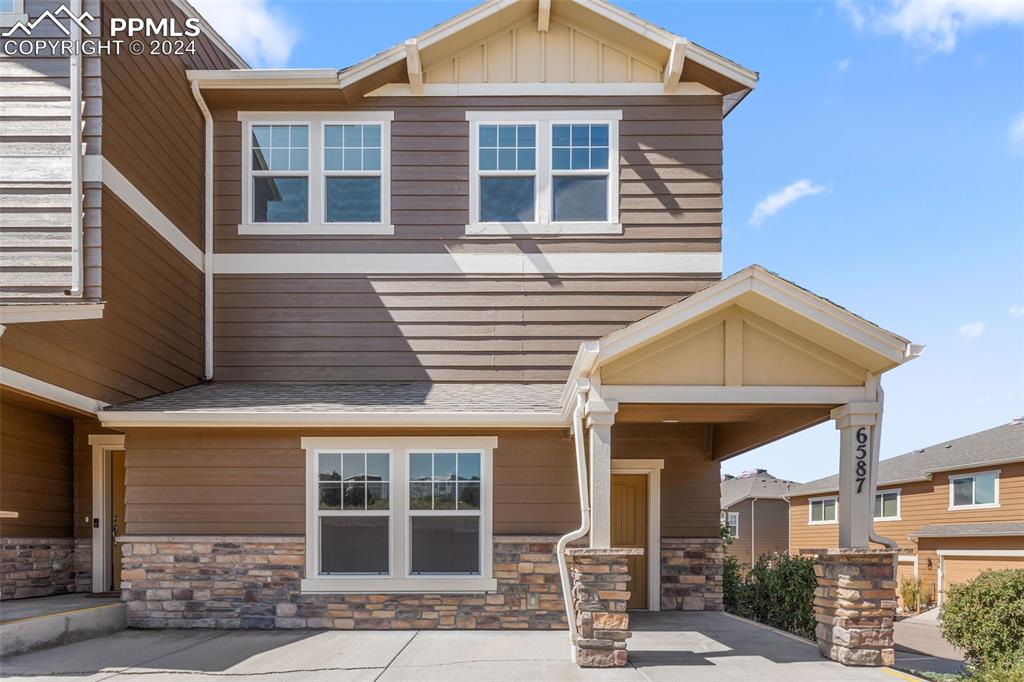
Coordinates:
[756,510]
[371,347]
[957,506]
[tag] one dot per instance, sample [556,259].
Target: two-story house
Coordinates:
[958,505]
[370,347]
[755,509]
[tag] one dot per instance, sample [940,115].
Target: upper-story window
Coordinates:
[974,491]
[543,172]
[822,510]
[887,505]
[316,173]
[11,12]
[733,520]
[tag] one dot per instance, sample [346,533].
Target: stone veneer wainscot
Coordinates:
[691,574]
[42,567]
[253,582]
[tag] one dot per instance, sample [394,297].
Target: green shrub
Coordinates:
[778,590]
[985,619]
[732,578]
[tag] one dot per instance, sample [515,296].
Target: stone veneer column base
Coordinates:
[36,567]
[854,604]
[691,574]
[599,581]
[253,582]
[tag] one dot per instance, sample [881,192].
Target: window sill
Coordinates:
[298,229]
[386,585]
[509,229]
[822,523]
[972,507]
[886,519]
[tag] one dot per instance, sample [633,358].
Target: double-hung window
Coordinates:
[316,173]
[887,505]
[974,491]
[11,12]
[404,514]
[822,510]
[734,524]
[544,172]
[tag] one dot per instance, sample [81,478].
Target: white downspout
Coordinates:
[207,234]
[77,222]
[753,557]
[563,542]
[876,441]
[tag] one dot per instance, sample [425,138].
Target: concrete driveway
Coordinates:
[920,645]
[669,646]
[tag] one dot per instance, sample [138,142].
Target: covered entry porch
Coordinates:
[742,363]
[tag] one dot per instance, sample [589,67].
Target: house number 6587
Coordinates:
[862,461]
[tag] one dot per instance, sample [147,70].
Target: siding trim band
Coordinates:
[97,168]
[466,263]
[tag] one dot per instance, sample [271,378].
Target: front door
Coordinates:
[116,515]
[629,529]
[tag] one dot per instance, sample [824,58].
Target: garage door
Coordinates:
[961,569]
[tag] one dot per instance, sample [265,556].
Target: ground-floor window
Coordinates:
[398,514]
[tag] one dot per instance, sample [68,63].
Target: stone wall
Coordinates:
[36,567]
[253,582]
[600,578]
[691,574]
[83,564]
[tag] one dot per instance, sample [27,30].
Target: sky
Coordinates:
[879,163]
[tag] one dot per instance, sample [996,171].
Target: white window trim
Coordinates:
[733,519]
[316,121]
[899,505]
[543,120]
[400,581]
[973,474]
[810,507]
[8,19]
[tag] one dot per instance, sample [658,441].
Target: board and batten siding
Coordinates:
[35,161]
[370,327]
[243,481]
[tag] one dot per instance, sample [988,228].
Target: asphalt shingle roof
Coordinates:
[945,530]
[1000,444]
[383,397]
[761,486]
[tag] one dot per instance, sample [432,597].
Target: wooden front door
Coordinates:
[116,515]
[629,529]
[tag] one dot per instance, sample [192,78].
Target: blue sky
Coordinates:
[898,129]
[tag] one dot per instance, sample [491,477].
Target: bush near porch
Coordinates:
[985,619]
[778,590]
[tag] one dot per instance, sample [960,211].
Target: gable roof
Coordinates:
[761,486]
[687,61]
[765,293]
[990,447]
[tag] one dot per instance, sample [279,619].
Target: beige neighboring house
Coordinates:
[755,508]
[959,505]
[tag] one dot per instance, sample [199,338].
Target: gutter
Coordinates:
[563,542]
[207,234]
[198,419]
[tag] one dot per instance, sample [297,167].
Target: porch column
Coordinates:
[857,472]
[600,417]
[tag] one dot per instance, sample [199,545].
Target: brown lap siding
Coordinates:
[251,482]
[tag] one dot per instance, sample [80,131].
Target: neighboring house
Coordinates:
[958,505]
[361,338]
[755,508]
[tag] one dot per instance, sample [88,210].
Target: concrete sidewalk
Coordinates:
[666,646]
[920,645]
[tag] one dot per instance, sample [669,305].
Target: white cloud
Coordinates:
[1017,131]
[263,35]
[1017,311]
[774,203]
[972,330]
[843,65]
[933,24]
